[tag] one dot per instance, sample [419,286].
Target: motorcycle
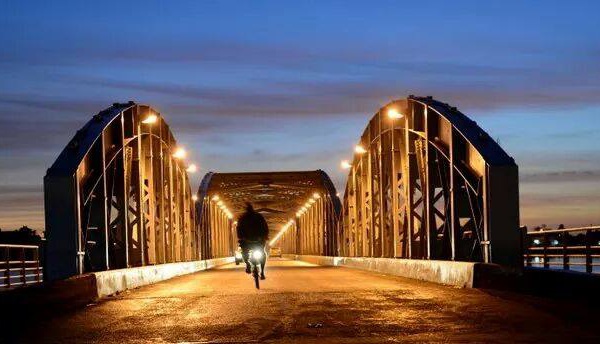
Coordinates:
[256,256]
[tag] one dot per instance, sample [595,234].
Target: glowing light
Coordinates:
[394,114]
[311,201]
[220,203]
[192,168]
[358,149]
[152,118]
[180,153]
[281,232]
[536,241]
[316,195]
[194,198]
[215,198]
[345,164]
[257,254]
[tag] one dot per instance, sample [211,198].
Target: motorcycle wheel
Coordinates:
[256,276]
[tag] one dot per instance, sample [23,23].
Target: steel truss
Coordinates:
[431,185]
[278,196]
[116,197]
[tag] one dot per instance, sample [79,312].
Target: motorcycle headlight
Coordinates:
[257,255]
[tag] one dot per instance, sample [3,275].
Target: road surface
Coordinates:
[304,303]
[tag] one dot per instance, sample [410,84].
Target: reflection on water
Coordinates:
[556,263]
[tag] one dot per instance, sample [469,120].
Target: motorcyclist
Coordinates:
[252,230]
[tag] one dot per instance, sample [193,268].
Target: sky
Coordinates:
[290,85]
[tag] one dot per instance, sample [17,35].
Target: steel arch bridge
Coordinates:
[117,197]
[426,182]
[302,205]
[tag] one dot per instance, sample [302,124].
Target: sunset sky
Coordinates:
[290,85]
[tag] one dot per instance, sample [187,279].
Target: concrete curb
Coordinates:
[115,281]
[80,290]
[459,274]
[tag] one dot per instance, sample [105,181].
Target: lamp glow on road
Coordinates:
[345,164]
[152,118]
[192,168]
[180,153]
[358,149]
[394,114]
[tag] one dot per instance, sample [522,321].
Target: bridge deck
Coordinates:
[353,307]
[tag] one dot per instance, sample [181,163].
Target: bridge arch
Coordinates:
[118,197]
[301,209]
[427,182]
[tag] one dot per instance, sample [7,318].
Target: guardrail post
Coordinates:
[36,257]
[7,276]
[23,270]
[565,254]
[545,243]
[588,251]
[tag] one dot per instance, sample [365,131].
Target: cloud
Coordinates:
[21,205]
[561,177]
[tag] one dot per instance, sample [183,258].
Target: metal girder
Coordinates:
[278,196]
[431,185]
[116,197]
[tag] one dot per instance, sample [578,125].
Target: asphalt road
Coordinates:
[304,303]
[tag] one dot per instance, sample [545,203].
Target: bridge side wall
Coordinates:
[60,204]
[459,274]
[503,209]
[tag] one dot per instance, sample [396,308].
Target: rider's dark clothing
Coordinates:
[252,229]
[252,226]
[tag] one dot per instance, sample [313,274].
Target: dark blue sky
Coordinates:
[289,85]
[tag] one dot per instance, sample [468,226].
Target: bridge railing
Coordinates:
[19,266]
[576,249]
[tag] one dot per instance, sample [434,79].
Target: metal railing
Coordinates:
[576,249]
[19,266]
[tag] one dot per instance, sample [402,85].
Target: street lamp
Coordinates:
[394,114]
[180,153]
[194,198]
[358,149]
[152,118]
[192,168]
